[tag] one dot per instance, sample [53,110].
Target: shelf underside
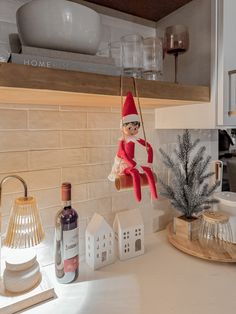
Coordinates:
[21,84]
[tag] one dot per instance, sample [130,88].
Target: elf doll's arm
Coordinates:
[122,154]
[149,149]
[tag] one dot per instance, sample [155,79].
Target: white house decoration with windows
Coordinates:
[99,238]
[129,232]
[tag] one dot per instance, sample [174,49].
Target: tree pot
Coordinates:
[186,228]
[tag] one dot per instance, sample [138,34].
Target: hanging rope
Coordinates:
[140,112]
[121,99]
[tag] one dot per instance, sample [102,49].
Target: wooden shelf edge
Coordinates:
[27,84]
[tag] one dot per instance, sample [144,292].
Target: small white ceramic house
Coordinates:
[129,232]
[99,241]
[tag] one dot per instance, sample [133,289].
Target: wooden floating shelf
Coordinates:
[23,84]
[226,255]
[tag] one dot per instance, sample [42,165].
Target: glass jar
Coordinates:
[215,230]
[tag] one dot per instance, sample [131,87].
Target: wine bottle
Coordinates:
[66,239]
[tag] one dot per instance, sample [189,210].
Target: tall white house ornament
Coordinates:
[129,233]
[99,238]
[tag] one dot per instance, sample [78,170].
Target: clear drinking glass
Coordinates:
[152,58]
[132,55]
[115,52]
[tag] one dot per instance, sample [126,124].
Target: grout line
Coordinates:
[86,120]
[57,148]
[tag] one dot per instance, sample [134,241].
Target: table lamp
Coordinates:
[24,231]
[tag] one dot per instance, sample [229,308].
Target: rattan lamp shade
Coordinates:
[25,227]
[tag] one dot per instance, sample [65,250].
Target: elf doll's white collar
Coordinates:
[133,139]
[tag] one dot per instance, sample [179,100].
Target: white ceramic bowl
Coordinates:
[59,25]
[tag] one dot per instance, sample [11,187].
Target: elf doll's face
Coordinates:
[131,128]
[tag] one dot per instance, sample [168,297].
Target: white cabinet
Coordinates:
[213,48]
[226,96]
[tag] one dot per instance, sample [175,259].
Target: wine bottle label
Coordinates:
[70,265]
[70,250]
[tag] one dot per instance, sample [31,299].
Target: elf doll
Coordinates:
[127,160]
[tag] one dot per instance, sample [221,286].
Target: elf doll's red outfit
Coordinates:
[126,161]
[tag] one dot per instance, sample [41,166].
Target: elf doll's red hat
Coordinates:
[129,111]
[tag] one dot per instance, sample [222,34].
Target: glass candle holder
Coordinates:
[132,55]
[176,42]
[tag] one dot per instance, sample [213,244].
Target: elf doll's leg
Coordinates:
[136,182]
[151,181]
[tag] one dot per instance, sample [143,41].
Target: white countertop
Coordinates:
[162,281]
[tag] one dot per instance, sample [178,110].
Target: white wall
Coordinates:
[115,28]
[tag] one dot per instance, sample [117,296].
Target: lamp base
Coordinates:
[22,272]
[15,302]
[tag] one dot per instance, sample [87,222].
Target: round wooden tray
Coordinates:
[194,248]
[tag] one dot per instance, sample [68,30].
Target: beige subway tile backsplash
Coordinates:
[73,139]
[126,199]
[14,140]
[46,159]
[13,161]
[85,108]
[43,179]
[79,193]
[13,119]
[85,173]
[115,136]
[86,138]
[55,120]
[44,119]
[123,200]
[44,139]
[98,138]
[48,217]
[48,197]
[88,208]
[99,189]
[99,154]
[103,120]
[73,156]
[73,120]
